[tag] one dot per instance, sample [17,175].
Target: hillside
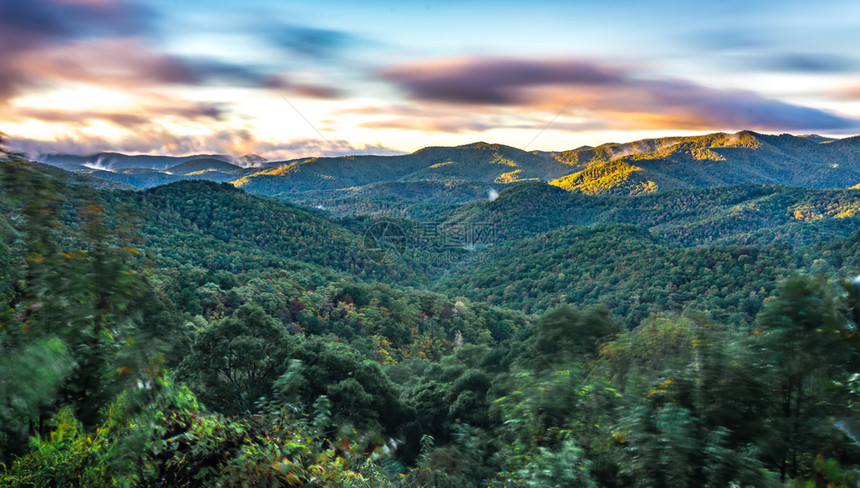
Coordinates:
[480,162]
[251,232]
[634,168]
[206,169]
[412,199]
[112,160]
[737,214]
[93,179]
[714,160]
[626,269]
[639,167]
[198,165]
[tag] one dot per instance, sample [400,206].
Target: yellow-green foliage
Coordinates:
[817,210]
[499,159]
[650,344]
[830,474]
[605,178]
[71,456]
[280,171]
[509,177]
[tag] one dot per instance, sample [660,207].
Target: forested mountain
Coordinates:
[203,164]
[737,214]
[142,171]
[411,199]
[713,160]
[480,162]
[74,178]
[195,334]
[639,167]
[628,270]
[183,221]
[628,169]
[205,169]
[111,160]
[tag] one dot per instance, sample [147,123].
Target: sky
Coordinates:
[287,79]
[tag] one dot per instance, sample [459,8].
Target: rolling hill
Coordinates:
[639,167]
[632,272]
[429,179]
[736,214]
[199,165]
[411,199]
[714,160]
[479,162]
[250,231]
[112,160]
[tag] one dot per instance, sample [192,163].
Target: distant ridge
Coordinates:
[632,168]
[478,162]
[113,160]
[203,164]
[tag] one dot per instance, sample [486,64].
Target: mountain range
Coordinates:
[640,167]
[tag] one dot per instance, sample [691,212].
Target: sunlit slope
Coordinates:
[713,160]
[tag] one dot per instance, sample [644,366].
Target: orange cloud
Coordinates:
[156,140]
[848,93]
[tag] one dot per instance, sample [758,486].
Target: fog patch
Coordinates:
[98,164]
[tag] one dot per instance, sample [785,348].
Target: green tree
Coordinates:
[74,301]
[236,361]
[565,334]
[802,343]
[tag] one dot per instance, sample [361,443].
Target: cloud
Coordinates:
[141,117]
[305,90]
[451,125]
[112,45]
[158,140]
[848,93]
[28,26]
[211,71]
[693,106]
[48,115]
[423,118]
[493,80]
[127,63]
[610,96]
[47,43]
[113,62]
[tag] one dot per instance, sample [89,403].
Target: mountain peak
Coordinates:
[483,146]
